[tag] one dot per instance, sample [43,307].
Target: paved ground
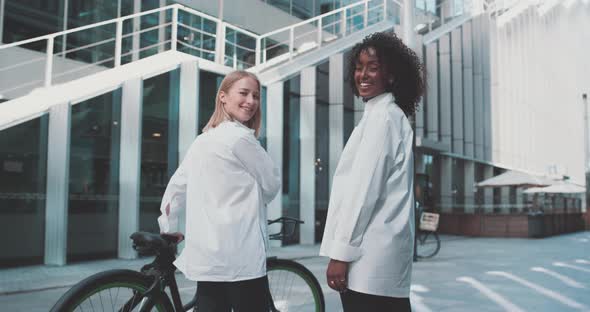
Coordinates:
[469,274]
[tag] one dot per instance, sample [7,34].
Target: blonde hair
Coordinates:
[220,115]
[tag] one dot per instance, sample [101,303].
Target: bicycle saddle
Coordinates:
[149,242]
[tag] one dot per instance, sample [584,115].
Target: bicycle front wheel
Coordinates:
[293,287]
[115,290]
[427,244]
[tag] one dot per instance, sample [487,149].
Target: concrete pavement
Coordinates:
[469,274]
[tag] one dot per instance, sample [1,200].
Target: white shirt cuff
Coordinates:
[344,252]
[167,225]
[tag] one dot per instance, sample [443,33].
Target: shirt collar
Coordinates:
[240,125]
[378,100]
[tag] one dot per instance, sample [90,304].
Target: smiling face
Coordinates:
[369,76]
[242,99]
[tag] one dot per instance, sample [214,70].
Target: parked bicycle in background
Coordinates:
[427,242]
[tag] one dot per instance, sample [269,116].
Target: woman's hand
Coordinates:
[336,274]
[179,236]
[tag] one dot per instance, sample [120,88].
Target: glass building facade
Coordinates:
[93,200]
[23,161]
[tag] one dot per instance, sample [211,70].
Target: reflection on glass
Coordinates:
[291,152]
[29,19]
[94,175]
[23,168]
[322,149]
[159,144]
[82,13]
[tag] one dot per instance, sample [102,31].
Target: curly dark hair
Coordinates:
[397,60]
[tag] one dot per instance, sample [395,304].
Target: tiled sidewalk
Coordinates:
[40,277]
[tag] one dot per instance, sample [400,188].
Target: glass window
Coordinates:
[458,191]
[23,168]
[82,13]
[263,103]
[291,151]
[93,203]
[348,97]
[208,85]
[159,144]
[29,19]
[322,148]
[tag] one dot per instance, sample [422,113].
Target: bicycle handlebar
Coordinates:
[288,226]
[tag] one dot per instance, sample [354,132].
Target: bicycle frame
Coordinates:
[162,270]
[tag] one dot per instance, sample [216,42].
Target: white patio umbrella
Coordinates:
[560,187]
[515,178]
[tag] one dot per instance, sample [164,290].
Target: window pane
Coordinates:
[322,149]
[291,152]
[208,84]
[94,178]
[159,144]
[23,167]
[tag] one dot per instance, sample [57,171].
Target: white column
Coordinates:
[488,193]
[457,88]
[469,191]
[478,88]
[486,93]
[162,30]
[408,22]
[136,22]
[444,54]
[130,165]
[432,92]
[274,146]
[446,183]
[308,154]
[56,203]
[336,85]
[468,116]
[188,116]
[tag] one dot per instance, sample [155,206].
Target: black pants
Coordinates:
[242,296]
[353,301]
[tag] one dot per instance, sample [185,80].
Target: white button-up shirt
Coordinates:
[371,214]
[225,182]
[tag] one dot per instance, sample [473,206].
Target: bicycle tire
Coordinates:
[130,282]
[427,244]
[283,275]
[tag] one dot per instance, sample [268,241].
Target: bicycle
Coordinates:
[427,240]
[292,287]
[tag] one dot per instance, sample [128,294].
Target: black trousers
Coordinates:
[241,296]
[353,301]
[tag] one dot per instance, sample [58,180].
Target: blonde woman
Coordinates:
[224,182]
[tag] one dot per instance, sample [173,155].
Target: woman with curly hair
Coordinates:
[369,233]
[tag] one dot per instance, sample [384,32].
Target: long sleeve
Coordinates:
[361,190]
[259,164]
[175,196]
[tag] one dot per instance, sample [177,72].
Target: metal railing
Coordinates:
[178,28]
[431,15]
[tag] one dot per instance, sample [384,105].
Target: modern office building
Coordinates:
[103,98]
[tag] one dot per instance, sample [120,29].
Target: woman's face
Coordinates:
[242,99]
[369,77]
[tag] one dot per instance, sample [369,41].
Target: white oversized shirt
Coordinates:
[371,214]
[225,181]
